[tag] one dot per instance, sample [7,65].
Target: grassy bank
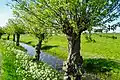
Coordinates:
[57,45]
[17,65]
[100,58]
[8,62]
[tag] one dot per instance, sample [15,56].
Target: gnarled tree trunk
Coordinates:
[41,37]
[38,48]
[14,37]
[74,60]
[18,39]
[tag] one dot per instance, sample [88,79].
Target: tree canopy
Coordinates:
[72,17]
[76,12]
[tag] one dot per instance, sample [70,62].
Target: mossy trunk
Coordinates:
[14,37]
[38,48]
[18,39]
[8,36]
[74,60]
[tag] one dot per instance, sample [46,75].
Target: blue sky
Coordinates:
[6,13]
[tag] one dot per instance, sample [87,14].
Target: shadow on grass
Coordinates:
[29,43]
[100,65]
[47,47]
[4,38]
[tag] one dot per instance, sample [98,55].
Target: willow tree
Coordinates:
[16,28]
[113,27]
[11,29]
[73,17]
[38,29]
[7,31]
[34,24]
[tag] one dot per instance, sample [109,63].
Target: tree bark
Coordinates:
[89,36]
[74,60]
[38,48]
[18,39]
[14,37]
[8,37]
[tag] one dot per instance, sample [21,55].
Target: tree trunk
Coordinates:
[14,37]
[38,48]
[74,60]
[8,37]
[89,36]
[18,39]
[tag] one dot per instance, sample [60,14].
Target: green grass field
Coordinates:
[101,58]
[103,48]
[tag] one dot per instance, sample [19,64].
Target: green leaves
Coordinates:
[82,13]
[1,31]
[15,26]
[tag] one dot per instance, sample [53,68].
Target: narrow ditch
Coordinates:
[49,59]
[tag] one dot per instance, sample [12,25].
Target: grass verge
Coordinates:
[100,58]
[17,65]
